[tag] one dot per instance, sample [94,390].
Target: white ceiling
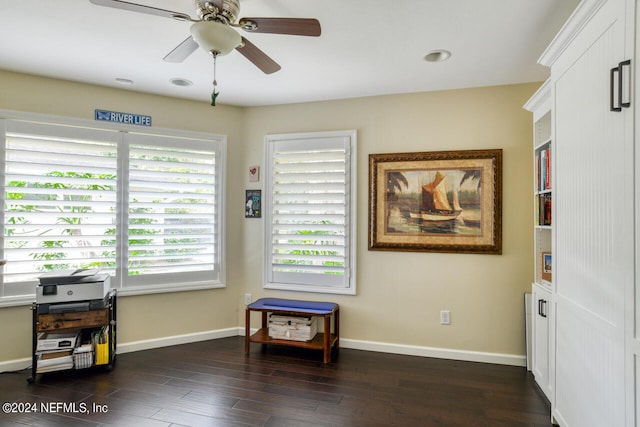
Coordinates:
[367,47]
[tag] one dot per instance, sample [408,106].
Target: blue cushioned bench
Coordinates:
[322,341]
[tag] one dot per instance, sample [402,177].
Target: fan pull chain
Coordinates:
[214,94]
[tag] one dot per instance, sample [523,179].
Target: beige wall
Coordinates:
[400,294]
[147,317]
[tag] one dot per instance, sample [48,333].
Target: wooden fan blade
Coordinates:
[258,57]
[292,26]
[182,51]
[134,7]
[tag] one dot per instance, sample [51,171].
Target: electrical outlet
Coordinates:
[445,317]
[247,299]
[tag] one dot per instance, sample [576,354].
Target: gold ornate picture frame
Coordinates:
[441,201]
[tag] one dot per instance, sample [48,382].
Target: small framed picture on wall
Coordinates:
[252,204]
[254,173]
[546,266]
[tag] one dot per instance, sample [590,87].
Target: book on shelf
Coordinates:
[543,169]
[544,206]
[537,170]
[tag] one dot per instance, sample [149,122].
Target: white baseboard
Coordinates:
[439,353]
[176,340]
[20,364]
[408,350]
[558,419]
[15,365]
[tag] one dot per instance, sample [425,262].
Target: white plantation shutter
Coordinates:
[173,206]
[145,208]
[309,208]
[59,201]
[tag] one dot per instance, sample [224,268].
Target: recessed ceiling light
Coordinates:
[181,82]
[437,55]
[124,81]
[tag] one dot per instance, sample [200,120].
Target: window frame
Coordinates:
[350,138]
[219,145]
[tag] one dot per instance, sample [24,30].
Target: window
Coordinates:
[173,211]
[144,207]
[310,206]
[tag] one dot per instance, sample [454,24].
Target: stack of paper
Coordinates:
[49,361]
[50,341]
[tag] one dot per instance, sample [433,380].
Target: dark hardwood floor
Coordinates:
[213,383]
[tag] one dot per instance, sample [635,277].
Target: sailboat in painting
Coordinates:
[435,205]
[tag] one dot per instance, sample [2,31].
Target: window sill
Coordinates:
[26,300]
[144,290]
[311,289]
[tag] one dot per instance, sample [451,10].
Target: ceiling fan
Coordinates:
[213,30]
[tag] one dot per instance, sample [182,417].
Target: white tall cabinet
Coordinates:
[595,350]
[542,286]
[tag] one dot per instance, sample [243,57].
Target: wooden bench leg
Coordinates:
[336,327]
[247,330]
[265,326]
[327,339]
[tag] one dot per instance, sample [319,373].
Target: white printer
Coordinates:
[72,290]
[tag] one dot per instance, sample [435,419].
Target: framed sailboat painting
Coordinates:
[440,201]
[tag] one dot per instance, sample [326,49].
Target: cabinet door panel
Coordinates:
[541,312]
[594,222]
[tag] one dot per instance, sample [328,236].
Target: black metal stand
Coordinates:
[112,322]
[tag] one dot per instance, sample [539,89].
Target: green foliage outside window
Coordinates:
[314,249]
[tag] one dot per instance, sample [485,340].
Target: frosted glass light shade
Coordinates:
[215,37]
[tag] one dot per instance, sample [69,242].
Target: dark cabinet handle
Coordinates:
[616,78]
[542,304]
[612,91]
[621,74]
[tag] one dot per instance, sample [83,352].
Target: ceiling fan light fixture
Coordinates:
[437,55]
[215,37]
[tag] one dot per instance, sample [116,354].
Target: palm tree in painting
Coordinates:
[472,174]
[395,182]
[470,217]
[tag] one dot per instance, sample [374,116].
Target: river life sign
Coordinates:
[126,118]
